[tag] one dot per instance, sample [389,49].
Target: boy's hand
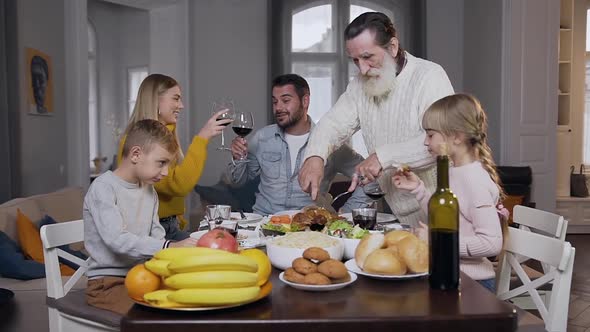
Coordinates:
[407,180]
[188,242]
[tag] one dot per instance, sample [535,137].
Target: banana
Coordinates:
[160,299]
[159,267]
[214,296]
[174,253]
[225,262]
[212,279]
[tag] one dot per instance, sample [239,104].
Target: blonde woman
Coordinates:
[160,98]
[459,122]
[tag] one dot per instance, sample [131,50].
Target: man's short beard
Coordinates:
[291,120]
[377,83]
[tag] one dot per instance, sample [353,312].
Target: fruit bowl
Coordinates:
[283,250]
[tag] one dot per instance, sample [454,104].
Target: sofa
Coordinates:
[62,205]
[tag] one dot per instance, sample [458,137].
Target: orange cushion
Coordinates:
[510,201]
[30,241]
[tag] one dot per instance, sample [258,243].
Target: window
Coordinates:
[92,95]
[134,78]
[313,47]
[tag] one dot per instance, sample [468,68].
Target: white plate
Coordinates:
[250,217]
[351,266]
[319,288]
[381,217]
[246,239]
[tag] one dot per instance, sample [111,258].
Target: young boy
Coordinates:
[121,223]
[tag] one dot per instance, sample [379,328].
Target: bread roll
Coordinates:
[385,262]
[394,237]
[414,253]
[368,244]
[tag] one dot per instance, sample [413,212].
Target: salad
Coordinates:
[281,224]
[343,229]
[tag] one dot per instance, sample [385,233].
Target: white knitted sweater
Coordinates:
[391,128]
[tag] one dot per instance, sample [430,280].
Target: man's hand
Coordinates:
[239,147]
[365,172]
[311,175]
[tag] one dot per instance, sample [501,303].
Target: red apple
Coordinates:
[218,238]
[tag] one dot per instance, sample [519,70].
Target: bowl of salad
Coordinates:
[347,233]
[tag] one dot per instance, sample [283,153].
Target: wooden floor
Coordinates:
[579,310]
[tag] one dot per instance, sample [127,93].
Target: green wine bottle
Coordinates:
[443,219]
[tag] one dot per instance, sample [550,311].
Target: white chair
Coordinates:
[554,252]
[52,237]
[542,222]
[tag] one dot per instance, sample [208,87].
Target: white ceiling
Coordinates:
[144,4]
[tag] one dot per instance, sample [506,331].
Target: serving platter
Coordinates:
[351,266]
[319,288]
[265,290]
[246,239]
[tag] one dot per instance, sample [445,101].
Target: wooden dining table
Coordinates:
[365,305]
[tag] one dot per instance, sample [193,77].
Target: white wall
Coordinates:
[482,58]
[169,55]
[123,41]
[42,139]
[228,58]
[444,37]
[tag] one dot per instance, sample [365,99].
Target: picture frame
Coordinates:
[39,73]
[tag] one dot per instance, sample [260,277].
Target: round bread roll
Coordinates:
[385,262]
[367,245]
[414,253]
[393,248]
[394,237]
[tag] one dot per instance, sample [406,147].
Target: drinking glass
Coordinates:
[228,105]
[374,192]
[242,125]
[366,218]
[218,213]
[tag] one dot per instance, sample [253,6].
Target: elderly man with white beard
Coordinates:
[387,101]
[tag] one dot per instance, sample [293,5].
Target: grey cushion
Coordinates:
[74,304]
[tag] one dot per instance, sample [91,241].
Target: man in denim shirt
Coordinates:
[275,153]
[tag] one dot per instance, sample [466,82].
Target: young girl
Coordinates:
[160,98]
[460,122]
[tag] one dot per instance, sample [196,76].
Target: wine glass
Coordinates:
[242,125]
[374,192]
[224,104]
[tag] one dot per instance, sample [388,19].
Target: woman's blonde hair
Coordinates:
[146,105]
[463,113]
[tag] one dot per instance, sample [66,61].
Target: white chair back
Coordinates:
[54,236]
[539,221]
[554,252]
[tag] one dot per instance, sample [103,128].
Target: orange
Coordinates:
[140,280]
[264,267]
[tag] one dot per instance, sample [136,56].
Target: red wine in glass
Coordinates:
[223,118]
[375,195]
[242,131]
